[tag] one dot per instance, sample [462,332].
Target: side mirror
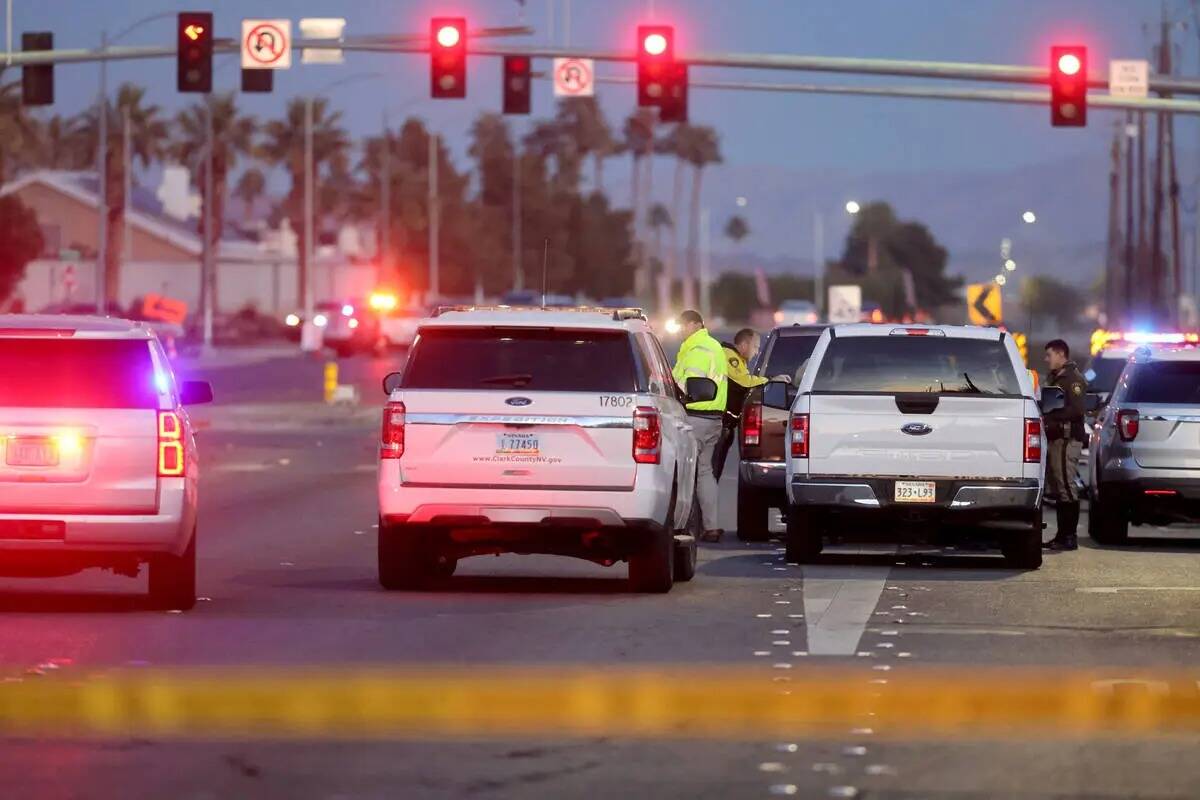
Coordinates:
[1053,399]
[1093,403]
[779,395]
[391,382]
[194,393]
[701,390]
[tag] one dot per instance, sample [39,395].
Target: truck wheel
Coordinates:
[1023,550]
[1107,525]
[804,536]
[173,579]
[752,515]
[652,566]
[403,563]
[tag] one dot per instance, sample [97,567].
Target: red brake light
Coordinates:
[752,424]
[1033,441]
[647,435]
[391,440]
[800,438]
[171,463]
[1128,423]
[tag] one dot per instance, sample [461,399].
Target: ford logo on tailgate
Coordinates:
[519,401]
[917,429]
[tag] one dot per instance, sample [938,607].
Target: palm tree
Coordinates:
[232,137]
[250,186]
[700,147]
[18,131]
[736,229]
[284,145]
[60,144]
[639,142]
[675,144]
[658,219]
[148,135]
[581,119]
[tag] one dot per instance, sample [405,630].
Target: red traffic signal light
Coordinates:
[655,61]
[194,52]
[1068,86]
[448,56]
[517,85]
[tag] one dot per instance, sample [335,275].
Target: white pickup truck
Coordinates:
[915,433]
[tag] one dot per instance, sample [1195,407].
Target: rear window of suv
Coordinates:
[1166,382]
[902,364]
[76,373]
[788,355]
[544,360]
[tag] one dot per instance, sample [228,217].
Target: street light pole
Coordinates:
[385,206]
[306,271]
[208,263]
[818,260]
[102,187]
[518,272]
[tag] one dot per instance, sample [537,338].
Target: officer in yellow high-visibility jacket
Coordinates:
[737,355]
[701,356]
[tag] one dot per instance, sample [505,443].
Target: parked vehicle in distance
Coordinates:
[558,432]
[797,312]
[1144,464]
[762,432]
[99,464]
[901,433]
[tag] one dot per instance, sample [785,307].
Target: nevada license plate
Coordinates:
[517,444]
[31,453]
[916,491]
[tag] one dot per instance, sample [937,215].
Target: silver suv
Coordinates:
[1144,464]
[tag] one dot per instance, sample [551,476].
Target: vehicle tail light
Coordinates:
[171,462]
[799,428]
[1128,422]
[752,424]
[391,440]
[1033,441]
[647,435]
[1161,493]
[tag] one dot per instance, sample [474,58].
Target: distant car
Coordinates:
[797,312]
[1144,464]
[763,431]
[167,332]
[353,327]
[399,327]
[915,432]
[98,465]
[536,431]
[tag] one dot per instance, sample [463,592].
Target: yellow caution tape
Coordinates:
[672,702]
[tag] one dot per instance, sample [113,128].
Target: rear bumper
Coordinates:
[1150,498]
[954,499]
[167,531]
[764,475]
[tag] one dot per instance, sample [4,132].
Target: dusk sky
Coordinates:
[795,131]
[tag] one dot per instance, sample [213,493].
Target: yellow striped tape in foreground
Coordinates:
[680,701]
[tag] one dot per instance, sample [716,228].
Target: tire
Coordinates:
[1024,549]
[444,567]
[403,560]
[753,514]
[173,579]
[1107,525]
[804,536]
[652,567]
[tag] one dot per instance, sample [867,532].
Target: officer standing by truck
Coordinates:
[737,355]
[701,356]
[1066,434]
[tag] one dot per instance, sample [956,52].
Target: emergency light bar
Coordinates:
[1102,338]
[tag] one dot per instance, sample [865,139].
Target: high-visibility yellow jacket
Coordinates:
[740,380]
[701,356]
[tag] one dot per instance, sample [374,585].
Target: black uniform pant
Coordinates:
[729,427]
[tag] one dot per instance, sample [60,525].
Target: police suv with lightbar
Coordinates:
[531,430]
[915,432]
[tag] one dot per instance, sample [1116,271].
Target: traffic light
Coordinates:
[258,80]
[37,82]
[1068,86]
[655,62]
[448,56]
[674,106]
[194,52]
[517,95]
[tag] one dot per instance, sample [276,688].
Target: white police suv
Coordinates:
[901,433]
[537,431]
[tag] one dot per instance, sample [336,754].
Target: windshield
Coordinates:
[788,355]
[1166,382]
[76,373]
[518,358]
[901,364]
[1104,372]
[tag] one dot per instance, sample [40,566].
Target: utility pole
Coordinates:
[518,271]
[309,333]
[818,261]
[384,273]
[435,214]
[1130,233]
[1112,263]
[208,265]
[102,184]
[1157,274]
[1176,247]
[1142,270]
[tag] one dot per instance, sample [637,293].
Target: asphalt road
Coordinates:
[287,577]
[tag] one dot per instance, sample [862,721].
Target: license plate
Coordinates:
[31,453]
[517,444]
[916,491]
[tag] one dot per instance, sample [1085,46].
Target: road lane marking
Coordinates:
[1119,589]
[838,603]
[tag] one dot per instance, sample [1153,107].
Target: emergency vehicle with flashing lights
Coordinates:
[98,464]
[537,430]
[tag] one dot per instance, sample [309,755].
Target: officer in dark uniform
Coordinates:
[1066,435]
